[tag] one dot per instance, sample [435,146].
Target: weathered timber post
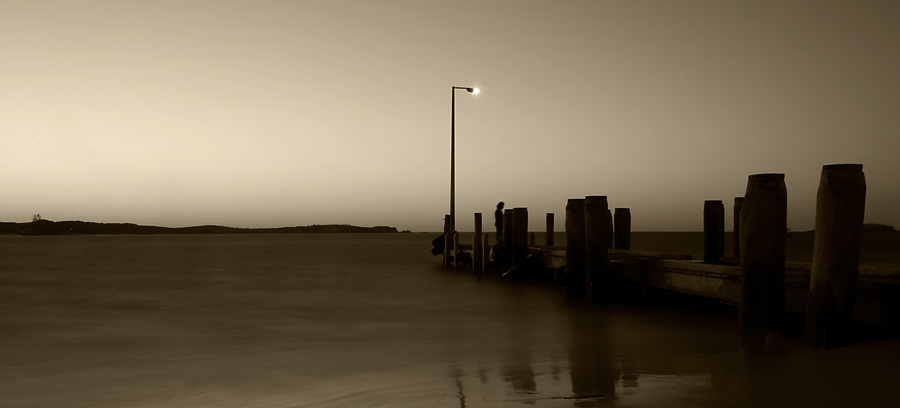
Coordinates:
[476,244]
[447,240]
[763,229]
[622,230]
[597,227]
[549,238]
[713,230]
[840,209]
[506,243]
[738,203]
[531,239]
[520,235]
[485,253]
[609,228]
[575,247]
[456,249]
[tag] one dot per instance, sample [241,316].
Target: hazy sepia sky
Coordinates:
[277,113]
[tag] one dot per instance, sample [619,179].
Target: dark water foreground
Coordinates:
[370,320]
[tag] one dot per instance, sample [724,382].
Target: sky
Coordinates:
[282,113]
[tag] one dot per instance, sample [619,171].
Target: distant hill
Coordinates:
[47,227]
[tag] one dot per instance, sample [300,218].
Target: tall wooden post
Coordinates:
[738,203]
[713,230]
[609,228]
[840,210]
[507,241]
[763,230]
[476,244]
[597,227]
[622,221]
[448,240]
[520,238]
[575,247]
[456,249]
[549,238]
[485,253]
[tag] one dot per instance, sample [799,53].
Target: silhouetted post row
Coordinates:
[548,240]
[597,228]
[713,230]
[840,210]
[485,253]
[763,228]
[476,244]
[622,230]
[575,246]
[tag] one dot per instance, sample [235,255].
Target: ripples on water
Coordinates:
[370,320]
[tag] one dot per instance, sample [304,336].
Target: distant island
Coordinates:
[47,227]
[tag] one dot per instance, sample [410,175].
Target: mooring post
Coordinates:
[485,253]
[476,244]
[549,238]
[507,241]
[713,230]
[575,246]
[840,210]
[763,229]
[456,249]
[609,228]
[520,238]
[738,202]
[622,230]
[447,240]
[597,226]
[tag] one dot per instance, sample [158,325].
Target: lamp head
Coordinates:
[475,91]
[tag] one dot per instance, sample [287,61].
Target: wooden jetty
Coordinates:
[760,283]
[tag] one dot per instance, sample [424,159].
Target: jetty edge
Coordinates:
[770,293]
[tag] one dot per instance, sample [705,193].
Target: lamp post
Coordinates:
[453,89]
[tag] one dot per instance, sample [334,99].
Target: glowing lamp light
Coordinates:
[475,91]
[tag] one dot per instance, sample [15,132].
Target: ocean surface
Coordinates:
[371,320]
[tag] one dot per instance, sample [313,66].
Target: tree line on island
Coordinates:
[40,226]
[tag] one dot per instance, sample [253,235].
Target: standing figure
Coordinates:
[498,222]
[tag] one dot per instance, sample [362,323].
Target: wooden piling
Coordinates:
[548,240]
[609,228]
[485,253]
[622,230]
[763,224]
[520,235]
[447,240]
[456,249]
[575,246]
[738,202]
[476,244]
[840,210]
[507,242]
[713,230]
[597,225]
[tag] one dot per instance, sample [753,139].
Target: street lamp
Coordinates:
[474,91]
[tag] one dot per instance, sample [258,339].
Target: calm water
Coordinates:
[370,320]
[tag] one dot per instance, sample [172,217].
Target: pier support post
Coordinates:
[520,235]
[763,225]
[738,203]
[622,230]
[840,210]
[476,244]
[609,228]
[575,244]
[597,228]
[713,230]
[448,240]
[485,253]
[507,242]
[549,238]
[456,250]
